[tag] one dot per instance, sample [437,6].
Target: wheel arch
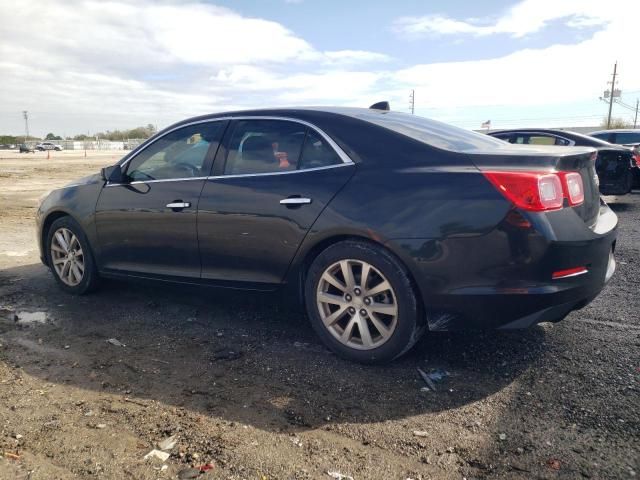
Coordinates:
[311,253]
[46,225]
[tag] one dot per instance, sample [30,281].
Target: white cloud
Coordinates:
[524,18]
[89,60]
[530,77]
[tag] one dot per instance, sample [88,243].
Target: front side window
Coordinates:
[181,153]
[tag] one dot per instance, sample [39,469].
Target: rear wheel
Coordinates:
[70,257]
[361,302]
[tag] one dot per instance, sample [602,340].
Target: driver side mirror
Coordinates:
[112,174]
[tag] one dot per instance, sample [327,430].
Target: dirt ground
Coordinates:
[250,393]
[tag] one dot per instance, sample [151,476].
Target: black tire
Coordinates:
[409,326]
[90,278]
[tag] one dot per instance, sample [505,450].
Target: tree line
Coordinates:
[113,135]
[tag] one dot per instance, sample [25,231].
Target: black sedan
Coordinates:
[384,225]
[616,166]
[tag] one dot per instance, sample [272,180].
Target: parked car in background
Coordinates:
[628,136]
[24,148]
[42,146]
[615,165]
[383,224]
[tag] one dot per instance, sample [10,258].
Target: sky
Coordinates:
[87,66]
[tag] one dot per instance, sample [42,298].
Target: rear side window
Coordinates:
[622,138]
[271,146]
[264,146]
[317,153]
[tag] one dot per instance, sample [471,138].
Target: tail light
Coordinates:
[636,157]
[574,187]
[529,190]
[538,191]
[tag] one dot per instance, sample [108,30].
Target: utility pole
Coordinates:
[635,120]
[412,101]
[613,88]
[25,114]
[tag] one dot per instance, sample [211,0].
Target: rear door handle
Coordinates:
[295,201]
[178,204]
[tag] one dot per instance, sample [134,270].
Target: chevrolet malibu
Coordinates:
[383,225]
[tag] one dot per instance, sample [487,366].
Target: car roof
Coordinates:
[618,130]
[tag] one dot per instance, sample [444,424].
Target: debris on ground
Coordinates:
[206,467]
[116,342]
[98,426]
[13,456]
[187,473]
[502,437]
[159,454]
[339,476]
[168,443]
[432,378]
[420,433]
[553,464]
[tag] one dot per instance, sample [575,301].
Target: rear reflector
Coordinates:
[569,272]
[574,187]
[531,191]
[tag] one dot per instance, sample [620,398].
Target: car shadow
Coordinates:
[621,206]
[243,357]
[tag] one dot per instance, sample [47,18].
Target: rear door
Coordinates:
[272,181]
[147,224]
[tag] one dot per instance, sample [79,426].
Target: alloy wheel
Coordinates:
[357,304]
[67,257]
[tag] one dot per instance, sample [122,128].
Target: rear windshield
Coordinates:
[627,137]
[436,134]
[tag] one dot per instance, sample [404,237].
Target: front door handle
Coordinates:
[178,204]
[293,201]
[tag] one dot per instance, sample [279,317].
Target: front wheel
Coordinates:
[70,257]
[361,302]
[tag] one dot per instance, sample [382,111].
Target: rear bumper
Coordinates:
[504,279]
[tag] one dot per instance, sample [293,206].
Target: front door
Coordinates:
[275,181]
[147,224]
